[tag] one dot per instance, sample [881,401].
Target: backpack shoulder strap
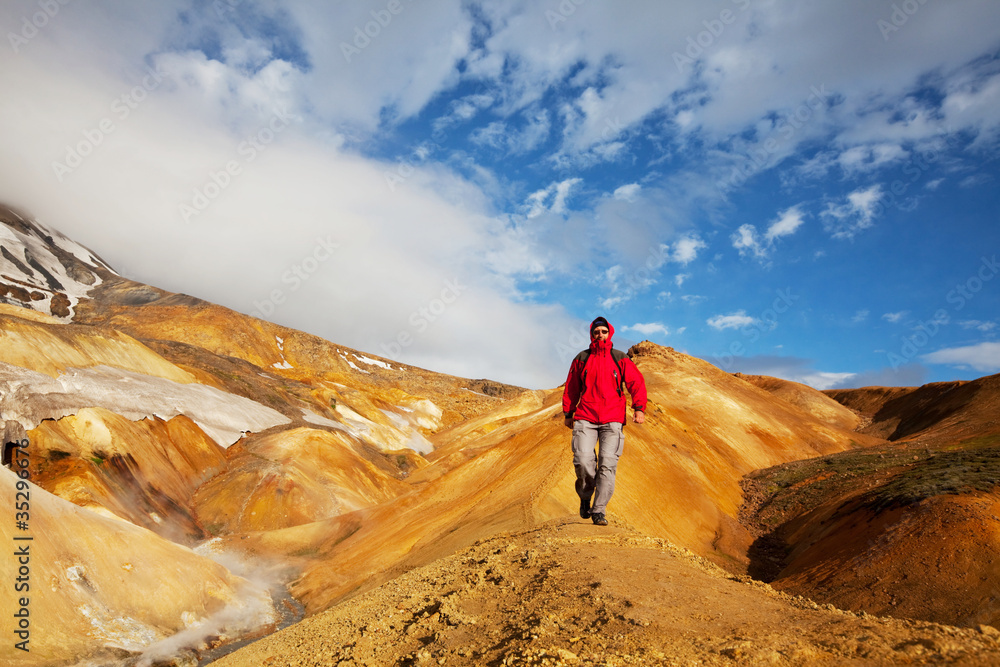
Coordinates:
[616,355]
[582,359]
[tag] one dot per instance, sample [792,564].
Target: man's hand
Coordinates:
[568,421]
[639,417]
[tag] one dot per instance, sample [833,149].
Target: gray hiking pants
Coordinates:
[596,448]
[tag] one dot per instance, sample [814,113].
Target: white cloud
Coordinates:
[975,180]
[558,193]
[649,329]
[972,103]
[536,203]
[869,158]
[493,135]
[562,191]
[731,321]
[535,131]
[983,357]
[514,140]
[747,241]
[612,302]
[860,316]
[857,213]
[686,249]
[823,380]
[627,192]
[761,65]
[979,325]
[787,224]
[895,318]
[462,110]
[863,201]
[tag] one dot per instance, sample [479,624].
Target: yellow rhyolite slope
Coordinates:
[679,478]
[95,583]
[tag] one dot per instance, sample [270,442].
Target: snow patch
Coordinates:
[283,364]
[360,424]
[319,420]
[419,443]
[428,414]
[364,360]
[373,362]
[22,246]
[411,437]
[28,397]
[69,245]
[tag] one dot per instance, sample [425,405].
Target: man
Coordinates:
[594,407]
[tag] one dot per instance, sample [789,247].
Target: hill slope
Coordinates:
[96,582]
[569,593]
[189,431]
[679,480]
[938,411]
[186,425]
[908,528]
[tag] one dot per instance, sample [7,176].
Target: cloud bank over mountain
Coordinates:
[464,186]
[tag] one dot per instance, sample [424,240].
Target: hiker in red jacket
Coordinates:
[594,407]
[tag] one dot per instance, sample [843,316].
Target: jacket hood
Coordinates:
[611,329]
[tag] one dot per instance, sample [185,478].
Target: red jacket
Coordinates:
[593,387]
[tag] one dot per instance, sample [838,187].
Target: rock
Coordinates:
[989,631]
[563,654]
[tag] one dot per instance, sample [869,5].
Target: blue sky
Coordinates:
[799,189]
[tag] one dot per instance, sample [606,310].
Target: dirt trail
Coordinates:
[569,593]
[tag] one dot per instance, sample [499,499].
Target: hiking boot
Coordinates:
[584,508]
[599,520]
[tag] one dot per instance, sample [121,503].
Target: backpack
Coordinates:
[616,355]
